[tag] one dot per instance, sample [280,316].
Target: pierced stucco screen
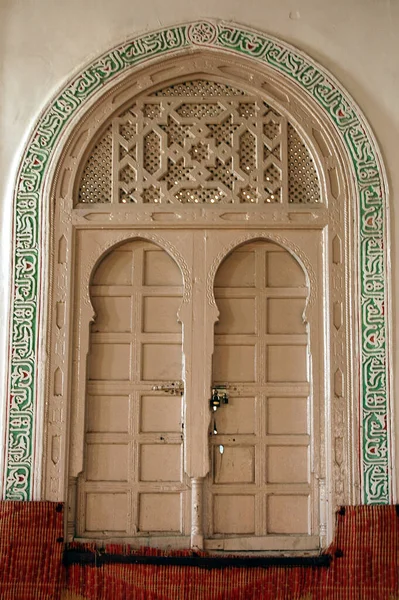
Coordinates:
[199,142]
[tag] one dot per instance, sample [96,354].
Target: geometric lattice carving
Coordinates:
[200,142]
[151,195]
[199,195]
[248,152]
[95,184]
[176,173]
[303,183]
[200,88]
[223,173]
[272,127]
[272,177]
[152,150]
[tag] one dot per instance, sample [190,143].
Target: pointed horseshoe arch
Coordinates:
[368,177]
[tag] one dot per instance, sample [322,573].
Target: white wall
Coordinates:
[43,42]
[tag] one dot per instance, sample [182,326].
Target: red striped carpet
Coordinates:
[30,555]
[364,567]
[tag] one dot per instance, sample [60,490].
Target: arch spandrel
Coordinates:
[363,175]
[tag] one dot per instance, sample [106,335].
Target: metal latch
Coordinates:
[219,396]
[175,388]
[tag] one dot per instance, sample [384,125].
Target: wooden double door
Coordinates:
[204,316]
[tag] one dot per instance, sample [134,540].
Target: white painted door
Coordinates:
[143,468]
[259,484]
[133,481]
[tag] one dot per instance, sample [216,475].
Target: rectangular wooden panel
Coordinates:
[287,464]
[161,362]
[160,269]
[234,514]
[115,269]
[237,315]
[284,315]
[161,413]
[107,512]
[160,314]
[234,464]
[113,314]
[282,270]
[109,361]
[234,363]
[160,512]
[286,364]
[107,414]
[160,462]
[238,417]
[238,270]
[107,462]
[287,416]
[288,514]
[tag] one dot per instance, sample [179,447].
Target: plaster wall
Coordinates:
[43,42]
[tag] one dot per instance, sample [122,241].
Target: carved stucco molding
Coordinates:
[30,216]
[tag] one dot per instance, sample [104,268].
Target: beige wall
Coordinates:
[43,42]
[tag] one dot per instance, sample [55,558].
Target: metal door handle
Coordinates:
[219,396]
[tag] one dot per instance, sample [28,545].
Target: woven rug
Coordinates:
[31,547]
[364,566]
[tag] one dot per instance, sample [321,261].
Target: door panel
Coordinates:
[133,482]
[260,442]
[288,514]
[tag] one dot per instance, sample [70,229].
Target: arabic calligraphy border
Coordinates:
[368,172]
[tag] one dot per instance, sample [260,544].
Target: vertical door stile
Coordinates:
[198,383]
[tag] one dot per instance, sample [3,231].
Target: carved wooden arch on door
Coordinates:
[243,181]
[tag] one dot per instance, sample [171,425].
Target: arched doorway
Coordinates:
[144,414]
[199,160]
[133,479]
[318,130]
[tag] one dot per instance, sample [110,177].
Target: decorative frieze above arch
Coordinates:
[31,209]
